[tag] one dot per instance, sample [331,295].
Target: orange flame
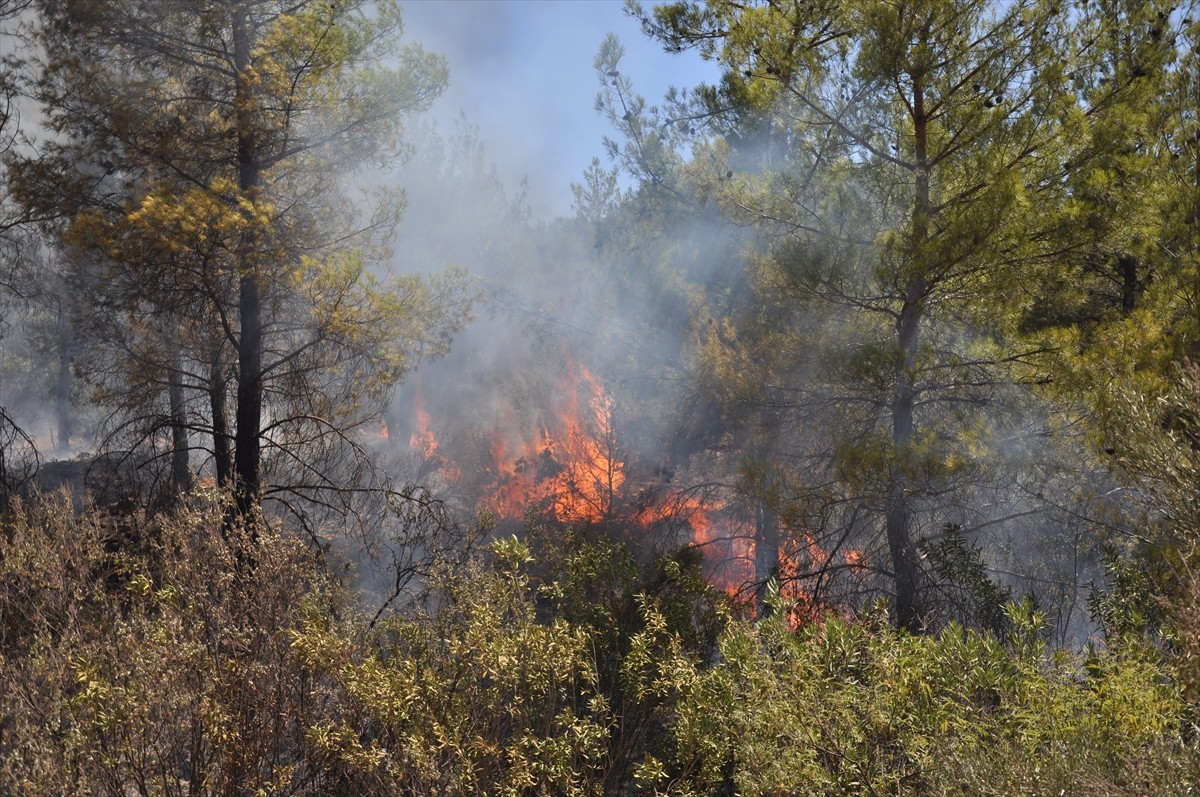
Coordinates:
[793,555]
[569,469]
[854,558]
[422,438]
[571,473]
[423,441]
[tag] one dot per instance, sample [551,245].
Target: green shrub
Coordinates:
[139,656]
[477,698]
[849,708]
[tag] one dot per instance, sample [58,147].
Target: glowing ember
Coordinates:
[854,558]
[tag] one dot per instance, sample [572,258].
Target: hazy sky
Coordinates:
[522,71]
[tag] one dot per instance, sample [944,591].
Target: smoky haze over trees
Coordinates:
[906,162]
[198,164]
[841,439]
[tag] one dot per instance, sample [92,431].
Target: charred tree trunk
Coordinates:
[247,454]
[897,502]
[391,425]
[181,472]
[62,385]
[402,422]
[222,454]
[1127,268]
[766,554]
[247,467]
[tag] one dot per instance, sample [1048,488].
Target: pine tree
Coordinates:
[902,157]
[201,156]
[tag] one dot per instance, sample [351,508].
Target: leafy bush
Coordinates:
[139,656]
[859,708]
[477,698]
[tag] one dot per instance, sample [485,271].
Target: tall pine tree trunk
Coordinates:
[247,476]
[898,501]
[222,455]
[766,553]
[247,455]
[62,387]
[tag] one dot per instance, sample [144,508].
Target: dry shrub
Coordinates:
[138,657]
[145,656]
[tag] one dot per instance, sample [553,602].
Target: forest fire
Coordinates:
[570,471]
[423,441]
[567,467]
[422,438]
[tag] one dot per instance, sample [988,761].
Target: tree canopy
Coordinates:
[198,181]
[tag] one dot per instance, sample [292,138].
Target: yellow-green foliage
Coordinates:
[138,657]
[859,708]
[480,699]
[135,656]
